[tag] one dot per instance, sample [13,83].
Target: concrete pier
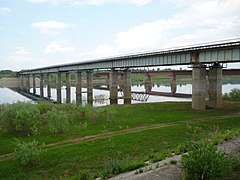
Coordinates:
[28,83]
[68,87]
[21,82]
[173,84]
[59,86]
[79,88]
[148,83]
[34,83]
[113,86]
[198,86]
[41,86]
[49,85]
[215,86]
[90,87]
[127,84]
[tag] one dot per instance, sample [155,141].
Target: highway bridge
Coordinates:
[200,57]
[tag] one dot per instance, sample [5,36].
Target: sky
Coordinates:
[39,33]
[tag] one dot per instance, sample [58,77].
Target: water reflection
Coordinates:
[8,96]
[101,97]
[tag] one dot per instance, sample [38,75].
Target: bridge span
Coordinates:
[201,57]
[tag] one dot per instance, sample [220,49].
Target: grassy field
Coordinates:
[124,136]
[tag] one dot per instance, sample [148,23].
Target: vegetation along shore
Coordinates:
[42,141]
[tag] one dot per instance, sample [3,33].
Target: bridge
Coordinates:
[200,57]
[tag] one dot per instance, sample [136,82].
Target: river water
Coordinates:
[101,96]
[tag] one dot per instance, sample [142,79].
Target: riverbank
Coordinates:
[106,141]
[169,168]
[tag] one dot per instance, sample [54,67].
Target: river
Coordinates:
[101,96]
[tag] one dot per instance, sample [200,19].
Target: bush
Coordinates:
[29,153]
[45,107]
[204,162]
[234,94]
[21,118]
[90,113]
[57,121]
[112,167]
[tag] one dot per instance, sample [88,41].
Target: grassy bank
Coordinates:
[122,136]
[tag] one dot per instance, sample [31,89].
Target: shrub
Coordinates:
[204,162]
[45,107]
[111,114]
[112,167]
[22,118]
[90,113]
[29,153]
[57,121]
[235,93]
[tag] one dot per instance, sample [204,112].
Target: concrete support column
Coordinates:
[21,82]
[215,86]
[198,86]
[207,87]
[24,83]
[49,85]
[41,86]
[34,83]
[113,86]
[79,88]
[127,84]
[90,87]
[148,83]
[68,87]
[173,84]
[59,86]
[28,83]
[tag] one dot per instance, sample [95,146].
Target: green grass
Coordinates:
[131,148]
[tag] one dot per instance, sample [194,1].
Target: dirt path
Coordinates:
[122,132]
[133,130]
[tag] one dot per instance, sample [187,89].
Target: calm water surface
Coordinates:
[101,96]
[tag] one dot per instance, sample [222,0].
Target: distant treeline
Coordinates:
[7,73]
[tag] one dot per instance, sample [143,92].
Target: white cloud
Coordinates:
[198,22]
[100,51]
[21,55]
[91,2]
[4,10]
[55,47]
[51,27]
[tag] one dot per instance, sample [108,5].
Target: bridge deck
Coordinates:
[225,51]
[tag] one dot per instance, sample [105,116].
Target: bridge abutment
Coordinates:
[79,88]
[90,87]
[113,86]
[215,86]
[58,86]
[198,86]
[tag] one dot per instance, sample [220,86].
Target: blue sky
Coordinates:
[37,33]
